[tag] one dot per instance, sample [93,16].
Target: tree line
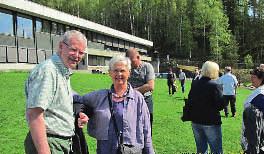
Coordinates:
[219,30]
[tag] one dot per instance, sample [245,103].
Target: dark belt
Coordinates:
[60,137]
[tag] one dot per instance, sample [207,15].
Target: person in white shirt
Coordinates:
[182,78]
[229,83]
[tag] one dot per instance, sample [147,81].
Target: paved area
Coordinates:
[16,66]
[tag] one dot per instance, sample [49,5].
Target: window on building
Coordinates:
[46,26]
[61,29]
[43,40]
[6,20]
[67,28]
[54,28]
[91,60]
[24,27]
[38,25]
[6,28]
[100,61]
[25,31]
[89,35]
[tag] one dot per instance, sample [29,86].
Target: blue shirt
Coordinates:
[229,83]
[136,120]
[105,146]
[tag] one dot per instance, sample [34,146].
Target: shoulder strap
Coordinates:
[118,133]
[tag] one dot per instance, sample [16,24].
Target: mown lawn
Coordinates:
[170,134]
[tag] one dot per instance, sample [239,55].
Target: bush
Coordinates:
[242,75]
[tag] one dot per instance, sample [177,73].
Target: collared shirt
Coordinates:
[136,118]
[229,83]
[48,87]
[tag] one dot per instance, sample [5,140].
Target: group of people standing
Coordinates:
[121,115]
[210,94]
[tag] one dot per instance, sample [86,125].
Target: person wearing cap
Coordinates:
[49,102]
[142,78]
[252,138]
[229,83]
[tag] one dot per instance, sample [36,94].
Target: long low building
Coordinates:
[29,34]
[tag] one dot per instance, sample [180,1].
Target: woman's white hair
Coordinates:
[119,58]
[210,69]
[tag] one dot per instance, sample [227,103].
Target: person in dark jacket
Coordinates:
[206,101]
[252,139]
[171,77]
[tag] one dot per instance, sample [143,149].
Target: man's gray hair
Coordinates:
[74,33]
[210,69]
[119,58]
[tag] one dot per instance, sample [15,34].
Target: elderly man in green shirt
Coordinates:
[49,106]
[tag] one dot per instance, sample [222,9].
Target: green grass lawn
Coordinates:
[170,134]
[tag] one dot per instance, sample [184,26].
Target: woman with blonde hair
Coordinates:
[206,101]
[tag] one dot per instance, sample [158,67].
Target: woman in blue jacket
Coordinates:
[120,117]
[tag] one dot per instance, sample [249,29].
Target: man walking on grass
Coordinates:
[182,78]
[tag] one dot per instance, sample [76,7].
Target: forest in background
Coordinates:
[226,31]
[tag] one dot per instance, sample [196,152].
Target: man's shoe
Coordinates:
[234,115]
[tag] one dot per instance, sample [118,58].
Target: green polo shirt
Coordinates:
[48,87]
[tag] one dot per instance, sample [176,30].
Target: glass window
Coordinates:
[38,25]
[43,34]
[100,61]
[91,60]
[24,27]
[6,20]
[68,28]
[46,26]
[54,28]
[60,29]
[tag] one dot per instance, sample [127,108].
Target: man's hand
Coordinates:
[149,86]
[82,120]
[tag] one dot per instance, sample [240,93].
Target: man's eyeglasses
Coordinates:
[74,49]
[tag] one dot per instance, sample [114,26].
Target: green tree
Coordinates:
[248,61]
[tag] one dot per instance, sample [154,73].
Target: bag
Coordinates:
[186,111]
[128,149]
[174,88]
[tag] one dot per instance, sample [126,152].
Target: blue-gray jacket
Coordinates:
[136,123]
